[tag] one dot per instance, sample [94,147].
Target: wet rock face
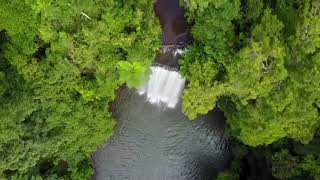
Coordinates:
[152,142]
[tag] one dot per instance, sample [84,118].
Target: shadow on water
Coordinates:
[152,142]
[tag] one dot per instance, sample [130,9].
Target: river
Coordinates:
[154,142]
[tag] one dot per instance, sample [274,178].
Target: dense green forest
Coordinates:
[61,63]
[259,61]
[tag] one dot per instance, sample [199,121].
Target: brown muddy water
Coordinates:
[175,31]
[174,26]
[152,142]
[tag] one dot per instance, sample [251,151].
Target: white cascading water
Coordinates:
[164,86]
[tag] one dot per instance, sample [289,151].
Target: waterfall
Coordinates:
[164,86]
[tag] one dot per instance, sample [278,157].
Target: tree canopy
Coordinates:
[59,72]
[257,64]
[258,61]
[62,62]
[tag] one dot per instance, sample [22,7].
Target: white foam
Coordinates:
[164,86]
